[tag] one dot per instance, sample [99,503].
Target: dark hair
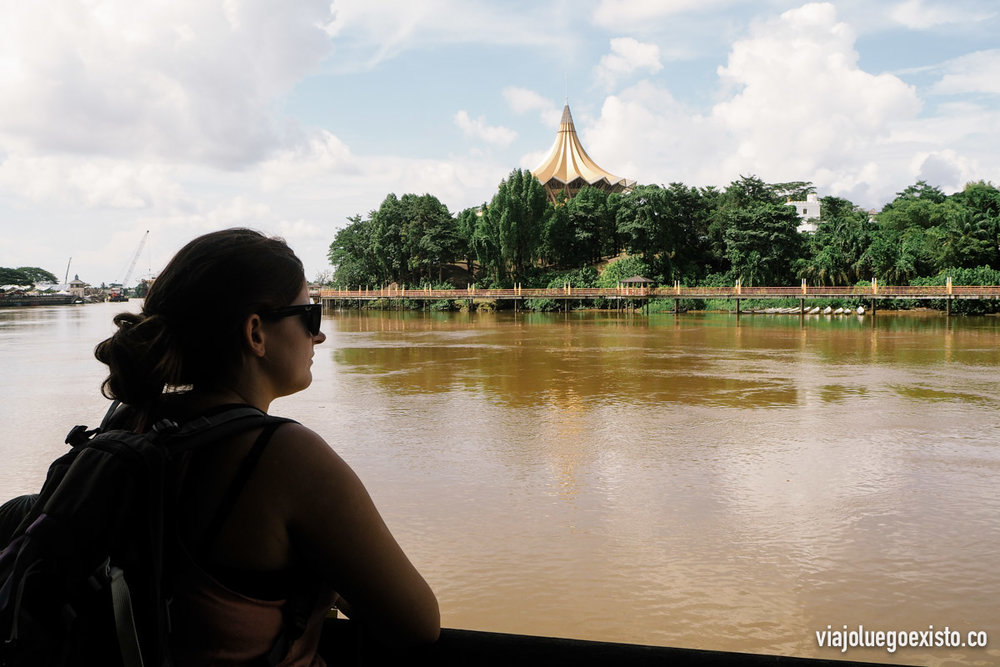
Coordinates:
[189,329]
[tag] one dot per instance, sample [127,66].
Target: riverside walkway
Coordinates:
[867,293]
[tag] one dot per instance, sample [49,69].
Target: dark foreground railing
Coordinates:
[342,645]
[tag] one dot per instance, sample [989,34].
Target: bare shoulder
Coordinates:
[304,454]
[307,467]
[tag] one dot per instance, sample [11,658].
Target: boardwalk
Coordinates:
[871,292]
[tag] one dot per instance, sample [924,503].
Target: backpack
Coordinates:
[83,581]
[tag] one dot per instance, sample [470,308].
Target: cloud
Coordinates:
[183,81]
[478,129]
[801,103]
[921,15]
[794,104]
[80,181]
[971,73]
[367,33]
[628,15]
[627,56]
[522,100]
[319,156]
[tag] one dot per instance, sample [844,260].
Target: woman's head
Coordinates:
[190,329]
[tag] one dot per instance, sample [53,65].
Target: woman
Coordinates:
[229,321]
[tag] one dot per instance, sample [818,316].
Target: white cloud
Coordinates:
[522,100]
[801,102]
[971,73]
[627,56]
[178,81]
[921,14]
[794,104]
[319,156]
[73,180]
[621,15]
[478,129]
[369,32]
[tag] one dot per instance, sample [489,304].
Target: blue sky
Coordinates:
[187,116]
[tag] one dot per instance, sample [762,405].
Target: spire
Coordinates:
[568,167]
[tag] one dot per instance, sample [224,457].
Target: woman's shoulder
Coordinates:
[303,457]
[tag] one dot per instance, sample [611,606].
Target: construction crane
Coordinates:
[135,258]
[119,293]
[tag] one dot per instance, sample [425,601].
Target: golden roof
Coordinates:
[568,167]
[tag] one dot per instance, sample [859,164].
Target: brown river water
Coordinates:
[695,481]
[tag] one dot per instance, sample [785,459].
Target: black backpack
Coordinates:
[83,579]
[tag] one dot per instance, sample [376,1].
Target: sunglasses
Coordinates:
[311,314]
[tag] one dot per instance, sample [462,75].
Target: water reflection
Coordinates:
[715,485]
[690,481]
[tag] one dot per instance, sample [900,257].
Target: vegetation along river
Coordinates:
[687,481]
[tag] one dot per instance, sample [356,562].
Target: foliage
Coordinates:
[25,275]
[762,243]
[745,231]
[620,269]
[507,237]
[980,275]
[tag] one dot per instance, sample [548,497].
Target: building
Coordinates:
[567,167]
[77,287]
[808,212]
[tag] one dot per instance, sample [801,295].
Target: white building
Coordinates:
[808,211]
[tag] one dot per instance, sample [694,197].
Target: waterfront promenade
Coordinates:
[869,293]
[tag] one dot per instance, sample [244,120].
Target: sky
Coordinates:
[180,117]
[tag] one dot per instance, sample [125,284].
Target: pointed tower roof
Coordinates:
[568,167]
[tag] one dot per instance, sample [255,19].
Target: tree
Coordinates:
[591,225]
[352,255]
[835,253]
[510,231]
[762,243]
[429,237]
[794,190]
[25,275]
[466,227]
[557,245]
[386,235]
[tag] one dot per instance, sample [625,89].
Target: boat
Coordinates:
[827,310]
[27,299]
[860,310]
[814,311]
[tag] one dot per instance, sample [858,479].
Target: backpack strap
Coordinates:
[236,487]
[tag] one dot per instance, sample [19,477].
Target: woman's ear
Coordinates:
[253,335]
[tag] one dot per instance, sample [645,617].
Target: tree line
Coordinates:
[699,236]
[25,275]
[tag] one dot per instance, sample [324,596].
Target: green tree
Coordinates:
[557,245]
[429,236]
[388,249]
[621,269]
[26,275]
[835,253]
[466,226]
[762,243]
[592,226]
[641,223]
[511,232]
[353,256]
[794,190]
[37,275]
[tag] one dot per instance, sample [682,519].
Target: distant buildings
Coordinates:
[808,212]
[78,287]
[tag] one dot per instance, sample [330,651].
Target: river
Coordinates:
[691,481]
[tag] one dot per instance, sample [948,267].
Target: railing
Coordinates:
[873,291]
[342,644]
